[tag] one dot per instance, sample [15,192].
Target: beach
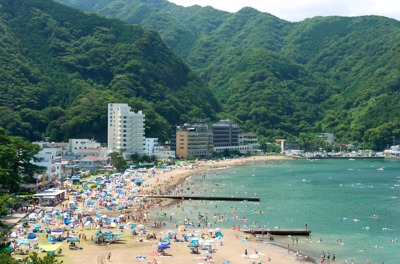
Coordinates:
[233,247]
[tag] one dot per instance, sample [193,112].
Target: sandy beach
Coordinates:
[234,247]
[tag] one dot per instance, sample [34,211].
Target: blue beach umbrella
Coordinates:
[163,246]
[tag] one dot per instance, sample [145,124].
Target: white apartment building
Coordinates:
[85,147]
[161,152]
[125,129]
[151,143]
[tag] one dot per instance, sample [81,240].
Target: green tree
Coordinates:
[16,155]
[6,201]
[118,161]
[5,258]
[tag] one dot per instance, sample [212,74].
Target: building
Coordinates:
[48,158]
[393,152]
[85,147]
[125,130]
[51,197]
[225,134]
[92,163]
[288,146]
[151,143]
[248,138]
[153,148]
[194,140]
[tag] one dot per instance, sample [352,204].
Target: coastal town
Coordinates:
[84,210]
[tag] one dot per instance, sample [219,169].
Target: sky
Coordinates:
[298,10]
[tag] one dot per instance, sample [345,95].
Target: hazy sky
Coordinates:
[297,10]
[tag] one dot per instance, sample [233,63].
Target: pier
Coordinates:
[208,198]
[338,157]
[280,231]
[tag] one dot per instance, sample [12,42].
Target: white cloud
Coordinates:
[297,10]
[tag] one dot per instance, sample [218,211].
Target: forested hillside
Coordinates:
[60,67]
[325,74]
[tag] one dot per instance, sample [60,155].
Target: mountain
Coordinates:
[277,78]
[60,67]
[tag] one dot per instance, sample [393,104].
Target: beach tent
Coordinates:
[73,239]
[31,236]
[193,244]
[36,228]
[13,235]
[166,240]
[52,239]
[205,235]
[218,234]
[23,242]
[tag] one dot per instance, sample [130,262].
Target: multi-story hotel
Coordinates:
[225,134]
[125,129]
[194,140]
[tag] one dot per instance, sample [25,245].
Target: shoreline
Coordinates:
[131,247]
[181,175]
[206,166]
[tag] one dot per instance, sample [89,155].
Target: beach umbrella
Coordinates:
[133,227]
[163,246]
[13,235]
[36,226]
[57,230]
[193,245]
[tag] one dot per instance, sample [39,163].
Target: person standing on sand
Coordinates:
[109,256]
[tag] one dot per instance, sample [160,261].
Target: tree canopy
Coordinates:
[277,78]
[16,155]
[60,68]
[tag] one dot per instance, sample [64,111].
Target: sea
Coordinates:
[352,207]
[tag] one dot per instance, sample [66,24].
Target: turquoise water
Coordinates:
[346,200]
